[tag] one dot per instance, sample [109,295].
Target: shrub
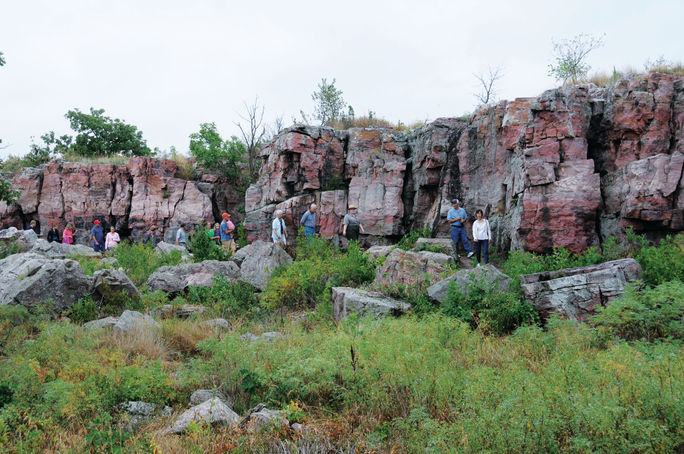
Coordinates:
[204,248]
[489,309]
[139,261]
[10,247]
[226,299]
[83,311]
[661,263]
[644,314]
[408,241]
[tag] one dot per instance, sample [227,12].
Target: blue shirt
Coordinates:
[180,236]
[454,213]
[309,219]
[224,227]
[96,232]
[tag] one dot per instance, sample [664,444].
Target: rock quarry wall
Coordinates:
[570,167]
[131,197]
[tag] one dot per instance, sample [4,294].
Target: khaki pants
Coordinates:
[229,246]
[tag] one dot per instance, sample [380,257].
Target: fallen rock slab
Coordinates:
[409,268]
[106,322]
[258,260]
[378,251]
[576,292]
[56,250]
[107,282]
[260,417]
[347,300]
[172,279]
[30,278]
[217,324]
[445,244]
[213,412]
[184,311]
[166,248]
[488,275]
[133,320]
[203,395]
[25,238]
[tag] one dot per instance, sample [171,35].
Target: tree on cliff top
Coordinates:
[570,57]
[97,135]
[329,102]
[253,133]
[487,92]
[214,153]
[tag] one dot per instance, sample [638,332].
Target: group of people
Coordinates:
[223,234]
[482,233]
[350,228]
[101,242]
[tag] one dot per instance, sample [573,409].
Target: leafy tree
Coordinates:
[570,57]
[214,153]
[7,194]
[329,102]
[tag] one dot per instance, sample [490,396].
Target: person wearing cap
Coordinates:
[456,218]
[97,236]
[309,221]
[352,225]
[181,236]
[278,230]
[151,237]
[227,229]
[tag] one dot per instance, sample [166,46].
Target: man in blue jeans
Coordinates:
[456,218]
[309,221]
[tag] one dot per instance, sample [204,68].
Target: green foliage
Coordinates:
[10,247]
[570,57]
[661,263]
[650,313]
[105,436]
[88,264]
[488,309]
[139,261]
[83,311]
[2,60]
[438,249]
[241,237]
[416,295]
[204,248]
[214,153]
[226,299]
[329,102]
[408,241]
[7,194]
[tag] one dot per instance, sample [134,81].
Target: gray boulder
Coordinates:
[258,260]
[348,300]
[173,279]
[30,278]
[133,320]
[437,257]
[109,281]
[409,268]
[487,274]
[217,324]
[377,251]
[269,336]
[213,412]
[576,292]
[166,248]
[203,395]
[445,244]
[106,322]
[139,412]
[184,311]
[260,416]
[25,238]
[56,250]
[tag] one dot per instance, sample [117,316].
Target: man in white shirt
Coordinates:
[278,231]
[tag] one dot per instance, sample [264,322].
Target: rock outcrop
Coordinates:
[486,275]
[576,292]
[109,282]
[258,260]
[567,168]
[213,412]
[408,267]
[174,279]
[347,300]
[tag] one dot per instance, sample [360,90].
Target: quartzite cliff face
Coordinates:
[568,168]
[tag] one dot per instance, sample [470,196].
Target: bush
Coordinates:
[226,299]
[204,248]
[140,261]
[661,263]
[644,314]
[488,309]
[408,241]
[10,247]
[83,311]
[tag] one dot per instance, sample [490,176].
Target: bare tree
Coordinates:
[252,132]
[487,92]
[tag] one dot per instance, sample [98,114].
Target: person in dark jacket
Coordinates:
[151,237]
[97,235]
[53,234]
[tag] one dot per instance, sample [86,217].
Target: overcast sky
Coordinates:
[167,66]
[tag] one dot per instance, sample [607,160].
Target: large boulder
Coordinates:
[57,250]
[213,412]
[167,248]
[488,275]
[260,417]
[135,321]
[375,252]
[108,282]
[442,245]
[576,292]
[203,395]
[173,279]
[30,278]
[347,300]
[408,267]
[24,238]
[258,260]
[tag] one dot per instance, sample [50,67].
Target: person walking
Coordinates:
[181,236]
[352,225]
[482,235]
[227,231]
[53,234]
[68,234]
[278,230]
[456,218]
[112,240]
[97,235]
[151,237]
[309,221]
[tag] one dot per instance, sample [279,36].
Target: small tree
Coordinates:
[252,133]
[2,60]
[329,102]
[570,57]
[487,92]
[7,194]
[214,153]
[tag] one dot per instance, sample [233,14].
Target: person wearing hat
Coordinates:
[309,221]
[227,230]
[97,235]
[352,225]
[456,218]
